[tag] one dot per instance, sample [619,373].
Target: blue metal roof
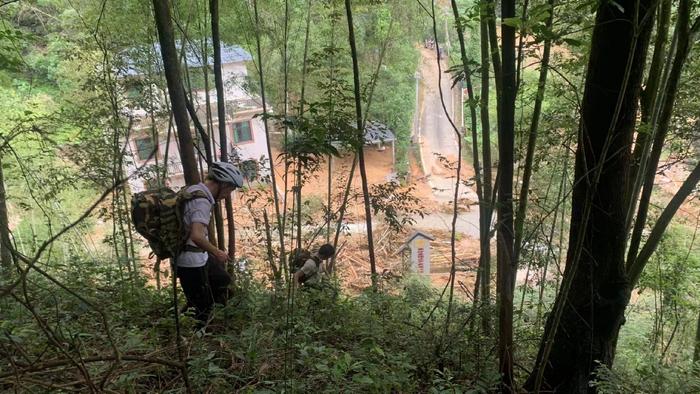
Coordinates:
[376,132]
[134,58]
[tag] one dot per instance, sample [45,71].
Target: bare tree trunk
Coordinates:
[685,37]
[5,242]
[490,10]
[532,139]
[221,115]
[353,166]
[193,117]
[299,206]
[360,142]
[696,351]
[341,210]
[166,155]
[306,55]
[521,42]
[483,232]
[286,105]
[268,243]
[490,6]
[176,91]
[472,102]
[275,197]
[650,92]
[218,218]
[214,236]
[589,309]
[561,206]
[485,207]
[506,141]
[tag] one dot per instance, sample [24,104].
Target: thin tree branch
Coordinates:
[637,266]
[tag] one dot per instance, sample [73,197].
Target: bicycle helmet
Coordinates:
[226,173]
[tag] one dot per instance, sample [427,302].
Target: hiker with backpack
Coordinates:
[307,269]
[201,265]
[176,225]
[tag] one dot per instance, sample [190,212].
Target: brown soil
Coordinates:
[670,182]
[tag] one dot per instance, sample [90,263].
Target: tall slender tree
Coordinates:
[486,206]
[5,251]
[636,257]
[490,9]
[504,246]
[472,104]
[589,309]
[176,91]
[275,195]
[685,36]
[532,137]
[221,115]
[651,87]
[361,141]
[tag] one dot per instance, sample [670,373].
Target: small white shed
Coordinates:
[419,245]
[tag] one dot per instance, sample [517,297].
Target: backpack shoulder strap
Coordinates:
[184,195]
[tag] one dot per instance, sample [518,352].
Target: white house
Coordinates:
[246,140]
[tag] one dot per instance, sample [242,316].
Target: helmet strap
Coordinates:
[218,191]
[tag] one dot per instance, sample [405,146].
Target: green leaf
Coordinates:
[513,22]
[573,42]
[364,379]
[378,350]
[214,369]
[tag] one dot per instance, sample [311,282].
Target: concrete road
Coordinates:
[437,138]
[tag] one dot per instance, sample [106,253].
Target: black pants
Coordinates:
[203,286]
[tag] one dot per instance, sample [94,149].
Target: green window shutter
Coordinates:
[241,132]
[144,148]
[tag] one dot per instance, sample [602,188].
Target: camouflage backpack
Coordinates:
[298,259]
[157,215]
